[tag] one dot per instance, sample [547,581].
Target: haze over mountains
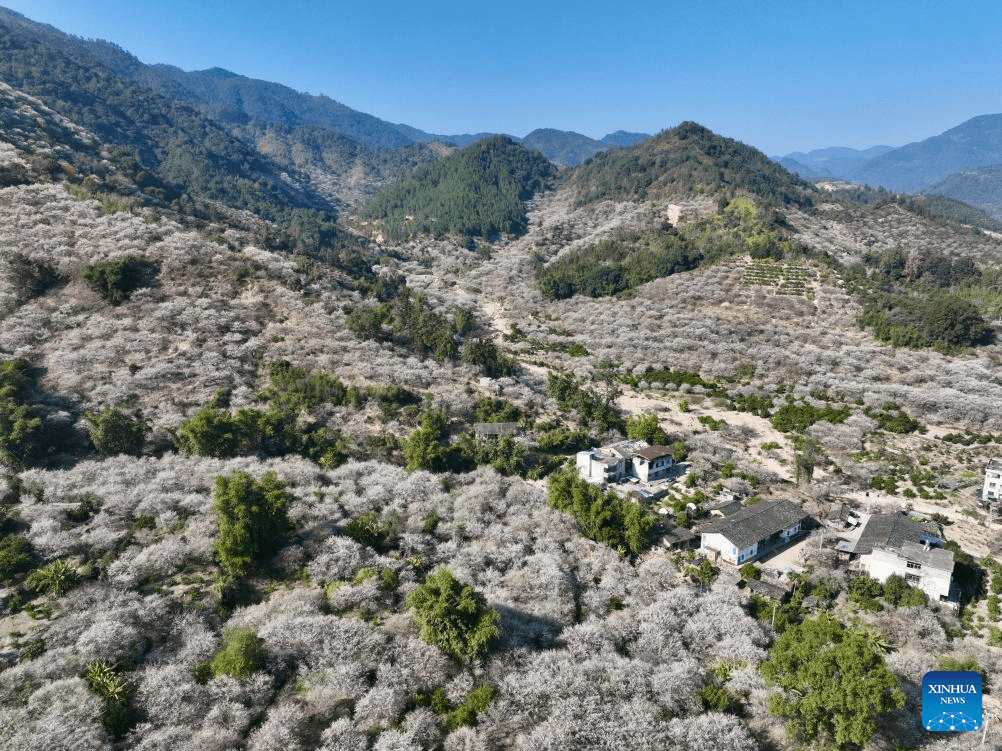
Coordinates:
[288,424]
[960,163]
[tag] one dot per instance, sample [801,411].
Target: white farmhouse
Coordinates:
[920,565]
[992,491]
[752,532]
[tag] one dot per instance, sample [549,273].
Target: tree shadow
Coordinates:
[522,629]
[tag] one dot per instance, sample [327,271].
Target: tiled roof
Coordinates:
[888,530]
[756,522]
[769,590]
[495,428]
[653,452]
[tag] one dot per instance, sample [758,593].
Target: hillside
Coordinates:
[479,191]
[232,98]
[981,187]
[683,161]
[173,153]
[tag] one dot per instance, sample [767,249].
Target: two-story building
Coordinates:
[921,565]
[634,459]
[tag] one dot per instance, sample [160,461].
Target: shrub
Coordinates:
[116,280]
[898,592]
[239,656]
[114,692]
[87,506]
[29,278]
[55,579]
[798,417]
[476,702]
[253,520]
[113,432]
[367,530]
[16,556]
[20,421]
[31,650]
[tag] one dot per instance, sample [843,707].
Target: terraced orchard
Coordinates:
[784,278]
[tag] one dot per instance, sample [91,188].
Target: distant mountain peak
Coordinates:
[220,73]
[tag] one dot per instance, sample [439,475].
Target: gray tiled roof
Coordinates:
[888,530]
[769,590]
[653,452]
[757,522]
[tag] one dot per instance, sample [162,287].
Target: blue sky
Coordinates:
[779,75]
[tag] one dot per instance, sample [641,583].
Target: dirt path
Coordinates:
[756,431]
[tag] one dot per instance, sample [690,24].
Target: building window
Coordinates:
[913,564]
[913,579]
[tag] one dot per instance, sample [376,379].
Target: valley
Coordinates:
[289,426]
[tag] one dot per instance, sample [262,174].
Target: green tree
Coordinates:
[253,519]
[603,517]
[484,353]
[116,280]
[16,556]
[20,421]
[210,432]
[425,447]
[452,616]
[645,427]
[113,432]
[835,684]
[239,656]
[114,691]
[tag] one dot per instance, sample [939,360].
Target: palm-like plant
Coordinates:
[55,579]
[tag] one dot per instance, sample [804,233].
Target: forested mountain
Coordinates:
[479,191]
[802,170]
[683,161]
[173,153]
[624,138]
[233,98]
[912,168]
[342,170]
[357,152]
[980,186]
